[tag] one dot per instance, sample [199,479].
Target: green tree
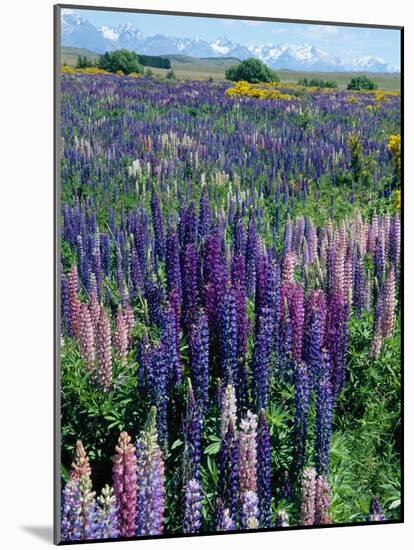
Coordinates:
[83,62]
[170,75]
[252,70]
[120,60]
[361,83]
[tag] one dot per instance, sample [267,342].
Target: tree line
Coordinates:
[124,60]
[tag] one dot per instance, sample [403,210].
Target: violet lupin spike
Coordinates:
[158,226]
[228,338]
[192,437]
[192,507]
[228,482]
[124,474]
[107,515]
[65,317]
[375,511]
[249,515]
[199,366]
[302,393]
[74,302]
[150,481]
[324,404]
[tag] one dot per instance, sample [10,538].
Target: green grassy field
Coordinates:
[191,68]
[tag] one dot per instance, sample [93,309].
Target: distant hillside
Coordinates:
[70,55]
[187,67]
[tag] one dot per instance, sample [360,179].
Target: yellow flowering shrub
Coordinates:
[259,91]
[394,147]
[398,199]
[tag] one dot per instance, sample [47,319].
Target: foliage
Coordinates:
[251,70]
[318,83]
[361,83]
[120,60]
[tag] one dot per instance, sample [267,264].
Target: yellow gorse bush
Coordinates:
[394,147]
[94,70]
[259,91]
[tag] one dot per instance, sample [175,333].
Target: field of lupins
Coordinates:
[230,307]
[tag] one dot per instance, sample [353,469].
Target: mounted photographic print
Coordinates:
[228,274]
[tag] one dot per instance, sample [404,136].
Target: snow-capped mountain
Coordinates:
[78,32]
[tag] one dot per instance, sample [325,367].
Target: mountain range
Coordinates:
[78,32]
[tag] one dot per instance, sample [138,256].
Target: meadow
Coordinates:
[230,306]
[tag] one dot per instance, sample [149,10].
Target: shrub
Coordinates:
[251,70]
[318,83]
[170,75]
[361,83]
[120,60]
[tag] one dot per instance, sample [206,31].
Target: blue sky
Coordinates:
[347,42]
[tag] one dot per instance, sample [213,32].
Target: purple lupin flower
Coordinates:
[169,341]
[107,516]
[228,338]
[323,420]
[307,495]
[251,254]
[336,338]
[204,215]
[261,359]
[192,507]
[78,503]
[214,277]
[323,497]
[375,510]
[249,516]
[150,481]
[189,285]
[65,317]
[157,223]
[225,522]
[199,366]
[173,263]
[248,453]
[228,481]
[192,437]
[74,302]
[124,473]
[156,367]
[71,523]
[263,469]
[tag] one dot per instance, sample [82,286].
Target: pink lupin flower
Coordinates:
[289,267]
[308,493]
[248,453]
[228,408]
[129,321]
[389,305]
[80,466]
[121,335]
[124,473]
[95,312]
[323,497]
[86,337]
[74,302]
[104,352]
